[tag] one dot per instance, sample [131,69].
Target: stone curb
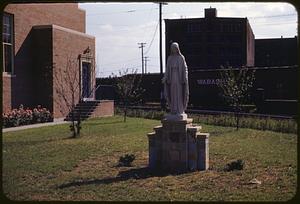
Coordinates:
[24,127]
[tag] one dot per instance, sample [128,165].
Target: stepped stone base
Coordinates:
[178,145]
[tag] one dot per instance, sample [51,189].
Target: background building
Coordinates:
[274,92]
[209,42]
[38,40]
[276,52]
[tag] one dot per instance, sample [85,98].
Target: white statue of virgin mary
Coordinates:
[176,85]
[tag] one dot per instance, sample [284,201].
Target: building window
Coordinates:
[194,28]
[225,28]
[238,28]
[8,43]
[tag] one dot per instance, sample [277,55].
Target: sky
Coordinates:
[119,27]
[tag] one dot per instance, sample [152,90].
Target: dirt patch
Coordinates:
[106,169]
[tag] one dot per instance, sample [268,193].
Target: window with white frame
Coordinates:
[8,43]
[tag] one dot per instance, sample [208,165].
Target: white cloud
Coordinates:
[106,27]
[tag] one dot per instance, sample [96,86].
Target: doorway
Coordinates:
[86,80]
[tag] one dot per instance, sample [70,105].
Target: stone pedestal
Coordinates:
[177,145]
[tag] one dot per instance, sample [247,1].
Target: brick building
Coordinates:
[276,52]
[38,41]
[212,41]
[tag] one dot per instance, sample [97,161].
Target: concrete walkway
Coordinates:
[24,127]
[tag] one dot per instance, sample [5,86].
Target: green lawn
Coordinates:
[45,164]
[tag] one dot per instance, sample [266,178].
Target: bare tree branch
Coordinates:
[128,88]
[236,84]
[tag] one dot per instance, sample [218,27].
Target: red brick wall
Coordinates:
[42,67]
[67,45]
[25,17]
[6,100]
[105,108]
[28,15]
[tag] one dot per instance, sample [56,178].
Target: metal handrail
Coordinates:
[94,89]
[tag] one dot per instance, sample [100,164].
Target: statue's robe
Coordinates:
[176,86]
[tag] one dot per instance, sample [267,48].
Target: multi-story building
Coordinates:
[38,41]
[209,42]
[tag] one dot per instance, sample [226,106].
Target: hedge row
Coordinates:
[277,125]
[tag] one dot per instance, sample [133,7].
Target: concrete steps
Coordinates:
[83,109]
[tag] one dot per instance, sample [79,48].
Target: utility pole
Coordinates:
[142,45]
[160,40]
[146,60]
[162,101]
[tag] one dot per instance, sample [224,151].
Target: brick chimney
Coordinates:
[210,12]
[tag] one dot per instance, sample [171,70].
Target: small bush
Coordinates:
[126,160]
[235,165]
[41,115]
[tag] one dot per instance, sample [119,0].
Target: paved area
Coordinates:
[24,127]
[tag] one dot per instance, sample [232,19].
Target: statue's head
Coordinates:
[175,48]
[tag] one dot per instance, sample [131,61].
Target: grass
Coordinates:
[45,164]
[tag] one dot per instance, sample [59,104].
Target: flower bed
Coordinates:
[21,116]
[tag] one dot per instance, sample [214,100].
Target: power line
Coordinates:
[149,18]
[126,30]
[101,24]
[271,16]
[152,38]
[124,46]
[110,13]
[282,23]
[274,16]
[118,12]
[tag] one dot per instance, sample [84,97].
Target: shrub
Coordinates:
[41,115]
[126,160]
[235,165]
[21,116]
[10,119]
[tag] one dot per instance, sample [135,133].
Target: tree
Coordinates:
[128,88]
[235,85]
[67,88]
